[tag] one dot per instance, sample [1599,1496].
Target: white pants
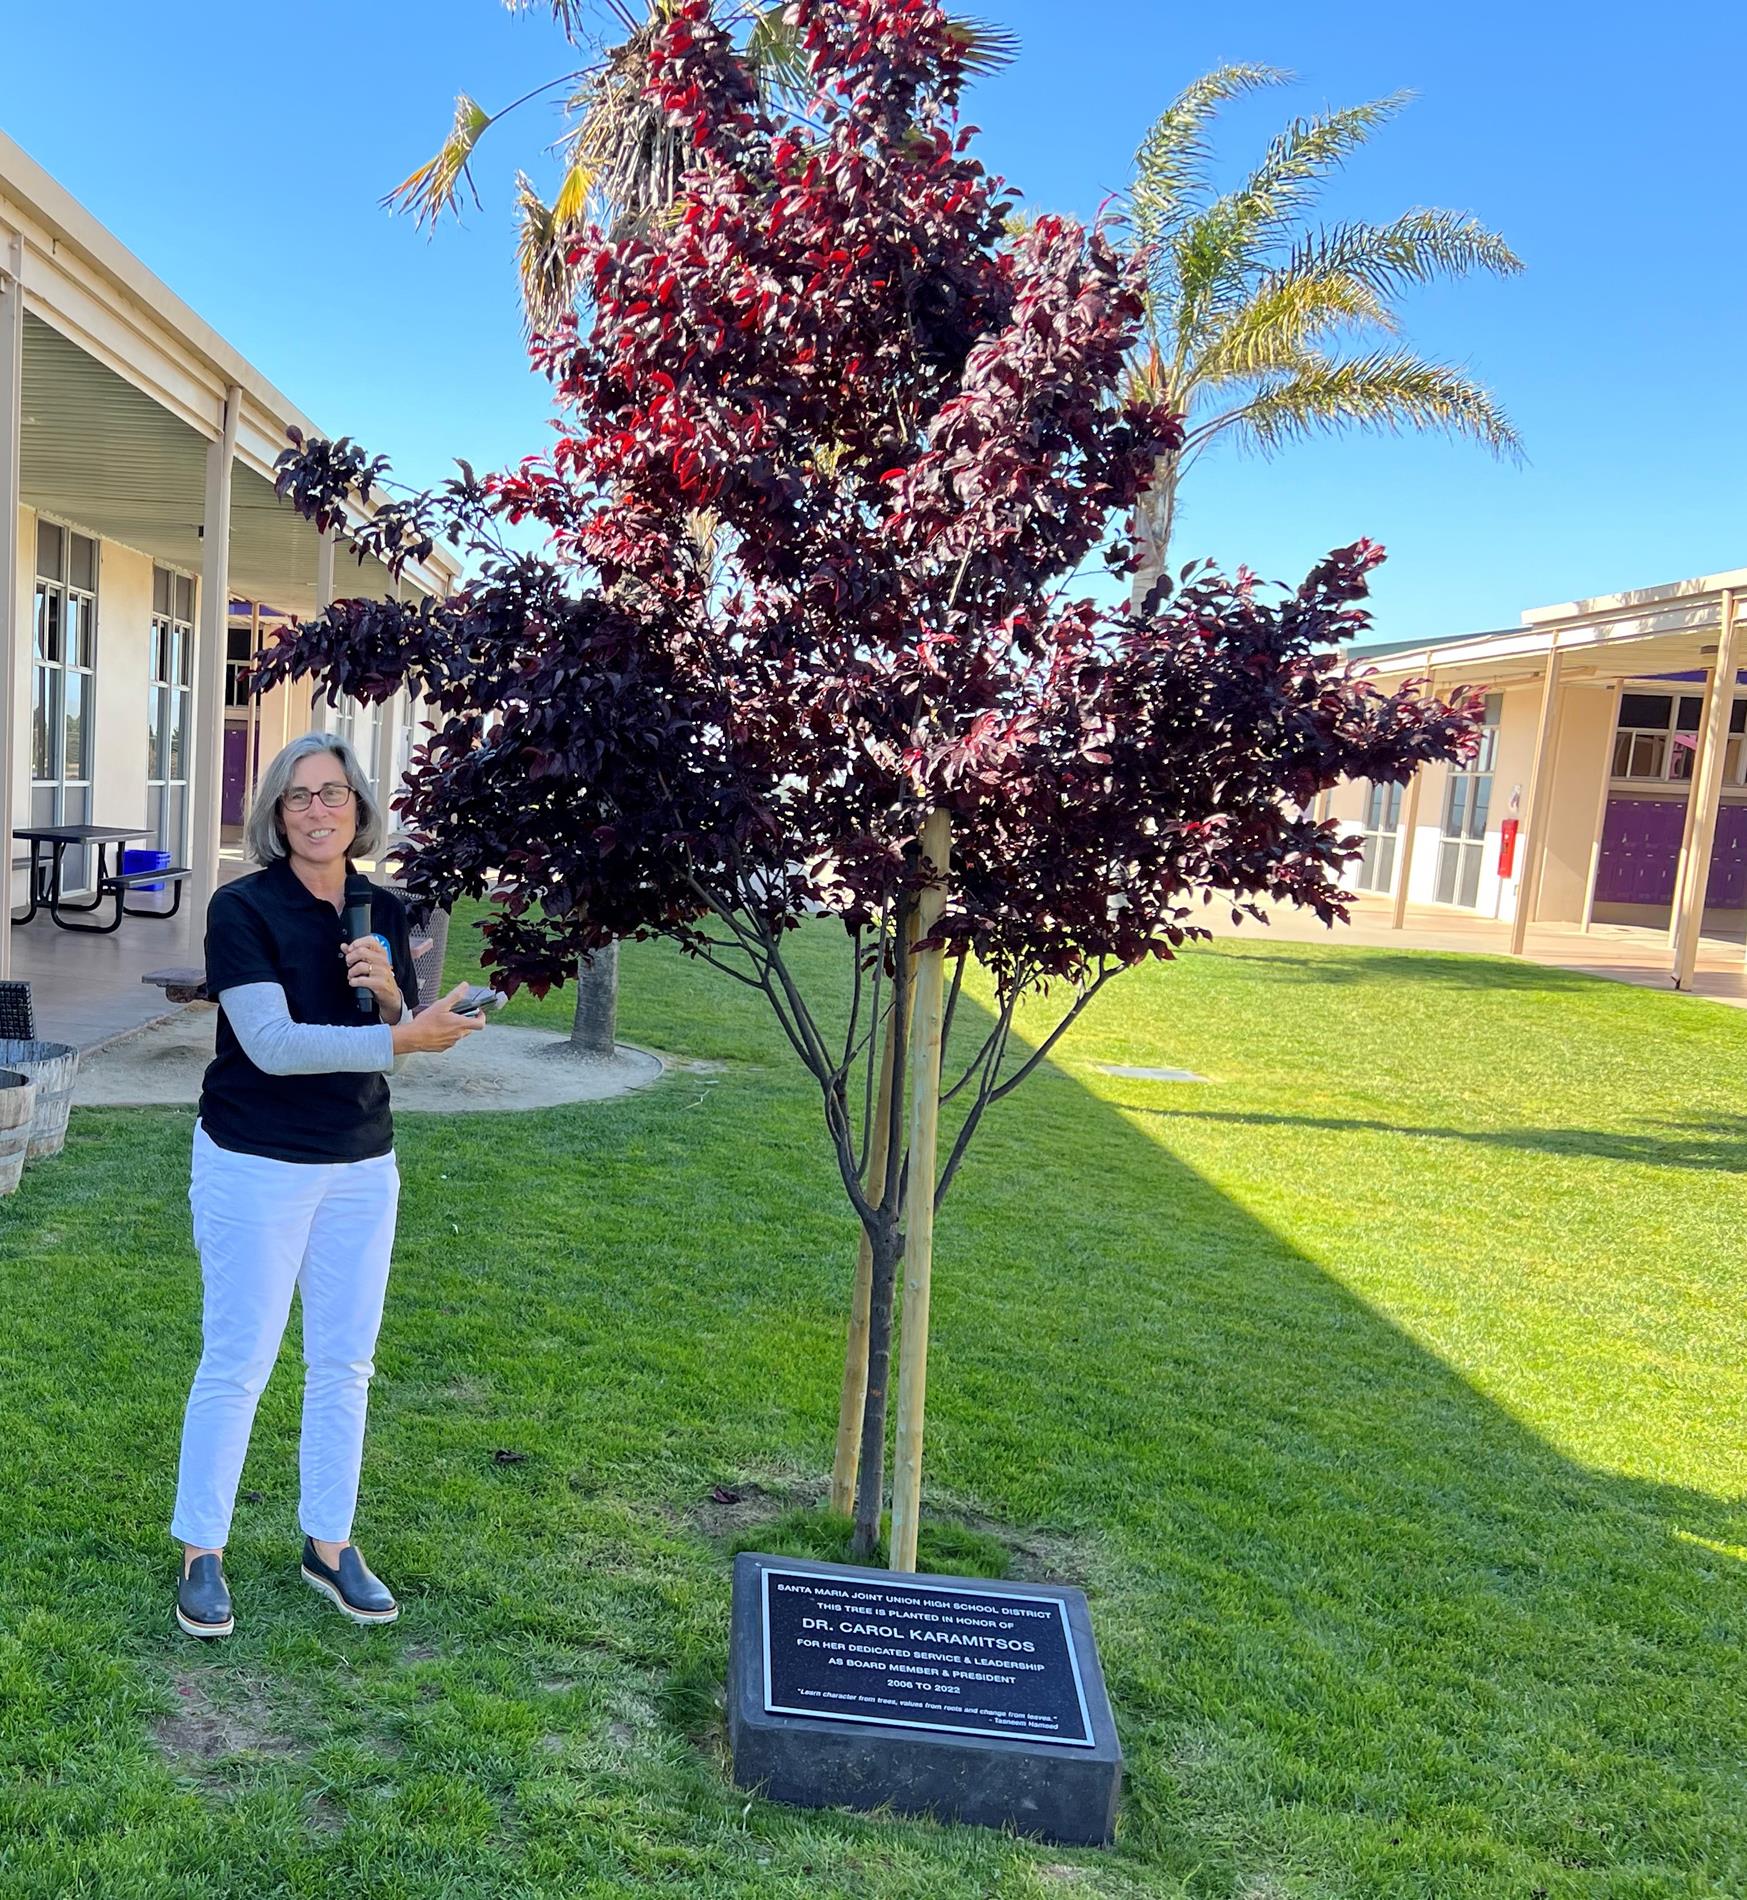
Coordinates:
[263,1227]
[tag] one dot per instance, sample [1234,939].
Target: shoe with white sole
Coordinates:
[350,1585]
[203,1601]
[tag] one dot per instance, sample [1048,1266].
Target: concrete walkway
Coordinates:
[1624,953]
[501,1068]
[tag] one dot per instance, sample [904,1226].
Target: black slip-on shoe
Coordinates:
[355,1592]
[203,1602]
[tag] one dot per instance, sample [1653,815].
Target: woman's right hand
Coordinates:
[436,1028]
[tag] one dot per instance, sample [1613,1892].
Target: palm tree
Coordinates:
[1264,329]
[622,161]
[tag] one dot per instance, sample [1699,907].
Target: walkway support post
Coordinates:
[215,567]
[1404,842]
[1535,810]
[1707,795]
[11,433]
[1597,830]
[1683,864]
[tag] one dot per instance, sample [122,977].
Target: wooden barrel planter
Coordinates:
[17,1104]
[52,1066]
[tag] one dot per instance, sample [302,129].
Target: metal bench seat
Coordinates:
[117,884]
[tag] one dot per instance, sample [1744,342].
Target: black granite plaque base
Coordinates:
[951,1696]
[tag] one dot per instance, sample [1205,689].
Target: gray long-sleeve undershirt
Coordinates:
[261,1018]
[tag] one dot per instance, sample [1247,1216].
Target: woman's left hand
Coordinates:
[368,968]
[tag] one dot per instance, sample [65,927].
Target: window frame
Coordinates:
[165,623]
[1660,747]
[49,672]
[1380,829]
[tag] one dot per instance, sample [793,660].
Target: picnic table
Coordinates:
[45,877]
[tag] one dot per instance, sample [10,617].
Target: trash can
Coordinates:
[147,896]
[52,1066]
[17,1105]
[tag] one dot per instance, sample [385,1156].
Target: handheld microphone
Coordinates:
[357,924]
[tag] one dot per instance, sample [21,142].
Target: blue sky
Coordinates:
[241,153]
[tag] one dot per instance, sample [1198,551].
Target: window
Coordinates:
[239,654]
[63,666]
[1657,737]
[1379,827]
[168,696]
[1467,802]
[358,724]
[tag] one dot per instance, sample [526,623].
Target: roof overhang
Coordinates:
[1633,635]
[127,387]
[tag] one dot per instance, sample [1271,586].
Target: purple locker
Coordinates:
[1640,847]
[1640,851]
[1727,888]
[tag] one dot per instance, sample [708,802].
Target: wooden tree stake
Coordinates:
[922,1125]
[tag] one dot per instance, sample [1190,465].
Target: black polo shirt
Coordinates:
[268,928]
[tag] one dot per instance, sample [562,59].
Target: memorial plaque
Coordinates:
[954,1696]
[974,1660]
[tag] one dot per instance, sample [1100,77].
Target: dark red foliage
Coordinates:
[833,447]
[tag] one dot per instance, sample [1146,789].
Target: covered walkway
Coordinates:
[138,522]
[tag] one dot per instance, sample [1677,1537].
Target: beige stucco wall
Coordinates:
[1580,764]
[124,670]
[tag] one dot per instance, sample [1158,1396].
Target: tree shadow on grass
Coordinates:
[1713,1144]
[1451,969]
[1366,1633]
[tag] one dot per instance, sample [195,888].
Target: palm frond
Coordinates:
[1280,325]
[984,47]
[1416,248]
[569,15]
[1390,390]
[1218,252]
[775,54]
[1285,185]
[778,59]
[1170,167]
[435,187]
[542,240]
[570,207]
[632,157]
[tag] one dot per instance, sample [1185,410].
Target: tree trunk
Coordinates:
[852,1407]
[870,1488]
[1154,517]
[921,1133]
[594,1029]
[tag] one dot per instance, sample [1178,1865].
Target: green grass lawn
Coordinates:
[1385,1392]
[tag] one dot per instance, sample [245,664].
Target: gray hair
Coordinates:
[263,836]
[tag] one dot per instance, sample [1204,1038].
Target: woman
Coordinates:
[294,1178]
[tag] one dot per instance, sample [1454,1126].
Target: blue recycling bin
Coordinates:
[135,861]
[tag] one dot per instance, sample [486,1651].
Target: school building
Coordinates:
[1610,788]
[142,554]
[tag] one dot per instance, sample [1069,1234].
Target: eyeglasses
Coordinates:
[333,795]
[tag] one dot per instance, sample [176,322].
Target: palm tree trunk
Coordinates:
[1154,517]
[594,1028]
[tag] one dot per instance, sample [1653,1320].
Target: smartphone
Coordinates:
[479,1000]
